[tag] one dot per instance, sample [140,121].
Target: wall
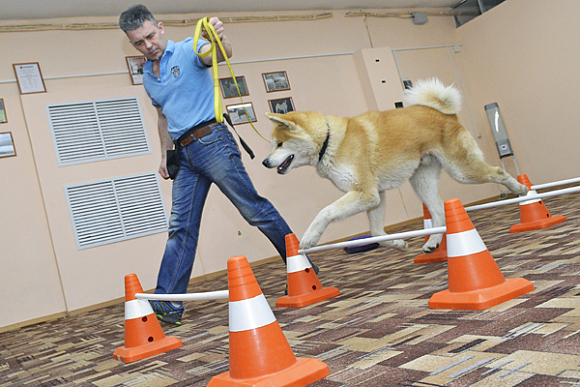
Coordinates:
[30,280]
[93,275]
[524,55]
[434,56]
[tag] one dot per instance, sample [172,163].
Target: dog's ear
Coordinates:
[278,119]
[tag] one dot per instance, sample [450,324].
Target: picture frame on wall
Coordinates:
[407,83]
[3,117]
[276,81]
[29,78]
[242,113]
[136,64]
[229,89]
[7,145]
[281,105]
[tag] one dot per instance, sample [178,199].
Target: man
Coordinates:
[180,86]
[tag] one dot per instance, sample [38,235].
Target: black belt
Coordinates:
[196,132]
[204,129]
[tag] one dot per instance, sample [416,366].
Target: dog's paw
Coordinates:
[400,244]
[308,241]
[523,190]
[430,248]
[433,243]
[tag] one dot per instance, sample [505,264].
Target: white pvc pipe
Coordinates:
[358,242]
[523,199]
[437,230]
[217,295]
[556,183]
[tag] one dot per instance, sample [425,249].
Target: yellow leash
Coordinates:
[215,42]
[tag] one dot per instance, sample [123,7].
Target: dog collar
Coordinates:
[324,146]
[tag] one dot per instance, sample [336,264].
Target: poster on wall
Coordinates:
[242,113]
[229,89]
[7,145]
[29,78]
[136,64]
[282,105]
[276,81]
[3,118]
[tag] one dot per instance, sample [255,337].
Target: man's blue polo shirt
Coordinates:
[184,90]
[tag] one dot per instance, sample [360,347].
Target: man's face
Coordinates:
[149,40]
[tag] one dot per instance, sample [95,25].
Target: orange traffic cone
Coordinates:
[475,281]
[533,213]
[143,334]
[440,253]
[304,288]
[260,355]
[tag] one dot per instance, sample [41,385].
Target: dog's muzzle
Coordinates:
[282,168]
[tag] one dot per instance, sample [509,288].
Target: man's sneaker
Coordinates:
[166,312]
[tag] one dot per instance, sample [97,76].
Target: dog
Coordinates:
[380,150]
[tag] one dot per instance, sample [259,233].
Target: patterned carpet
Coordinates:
[378,332]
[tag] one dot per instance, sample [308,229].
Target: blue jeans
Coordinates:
[214,158]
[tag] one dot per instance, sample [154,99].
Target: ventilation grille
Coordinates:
[97,130]
[114,210]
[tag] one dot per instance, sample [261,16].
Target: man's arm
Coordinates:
[219,28]
[166,142]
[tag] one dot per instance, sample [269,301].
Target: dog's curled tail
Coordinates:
[431,92]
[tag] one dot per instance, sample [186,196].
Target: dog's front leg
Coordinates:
[377,224]
[314,231]
[349,204]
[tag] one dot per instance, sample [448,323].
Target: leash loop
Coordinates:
[216,43]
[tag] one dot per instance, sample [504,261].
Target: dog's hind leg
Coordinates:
[479,172]
[377,223]
[464,162]
[425,182]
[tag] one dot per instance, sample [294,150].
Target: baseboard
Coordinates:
[38,320]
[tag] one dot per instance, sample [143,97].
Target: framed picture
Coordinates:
[29,78]
[242,113]
[136,64]
[7,145]
[3,118]
[277,81]
[229,89]
[282,105]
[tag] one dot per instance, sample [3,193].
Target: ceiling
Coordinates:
[44,9]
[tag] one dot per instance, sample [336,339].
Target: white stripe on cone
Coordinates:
[250,314]
[531,194]
[427,223]
[137,309]
[297,263]
[464,243]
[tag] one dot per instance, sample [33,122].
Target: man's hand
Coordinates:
[218,27]
[163,168]
[225,42]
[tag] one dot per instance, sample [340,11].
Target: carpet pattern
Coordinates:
[379,331]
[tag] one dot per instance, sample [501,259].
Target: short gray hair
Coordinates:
[134,17]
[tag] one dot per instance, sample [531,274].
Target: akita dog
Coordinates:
[376,151]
